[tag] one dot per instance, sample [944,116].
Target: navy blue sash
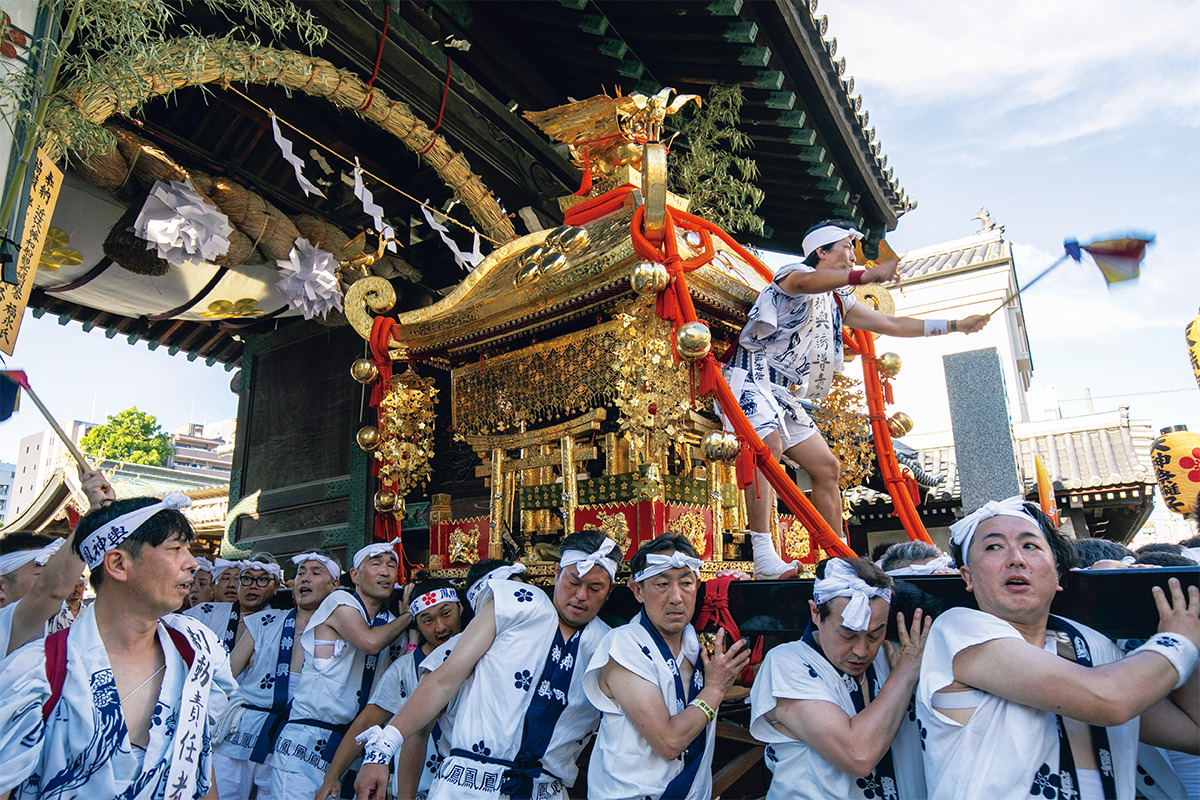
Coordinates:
[1066,760]
[885,769]
[277,714]
[548,703]
[230,634]
[679,787]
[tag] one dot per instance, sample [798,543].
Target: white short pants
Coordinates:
[792,422]
[236,777]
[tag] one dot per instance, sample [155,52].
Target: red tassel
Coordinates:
[585,185]
[747,469]
[887,392]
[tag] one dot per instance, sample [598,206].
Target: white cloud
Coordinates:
[1027,74]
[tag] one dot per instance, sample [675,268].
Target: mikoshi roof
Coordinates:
[816,152]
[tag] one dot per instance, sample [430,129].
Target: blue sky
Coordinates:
[1065,119]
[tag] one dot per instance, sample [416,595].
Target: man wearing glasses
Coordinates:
[258,580]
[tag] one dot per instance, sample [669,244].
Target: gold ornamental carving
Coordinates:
[842,420]
[405,432]
[463,547]
[692,526]
[614,525]
[796,541]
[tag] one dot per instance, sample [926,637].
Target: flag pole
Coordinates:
[1040,275]
[71,446]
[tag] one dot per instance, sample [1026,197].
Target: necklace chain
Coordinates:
[142,685]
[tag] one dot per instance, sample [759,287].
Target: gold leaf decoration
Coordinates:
[56,254]
[616,527]
[224,309]
[406,426]
[463,547]
[692,526]
[842,420]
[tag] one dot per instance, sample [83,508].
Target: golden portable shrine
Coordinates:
[583,372]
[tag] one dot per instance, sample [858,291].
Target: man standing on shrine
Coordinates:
[523,719]
[789,350]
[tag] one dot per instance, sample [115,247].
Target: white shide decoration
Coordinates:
[180,224]
[307,280]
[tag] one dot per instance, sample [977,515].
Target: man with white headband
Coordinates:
[38,574]
[203,590]
[257,579]
[657,688]
[117,705]
[522,719]
[225,580]
[789,350]
[832,707]
[345,648]
[268,662]
[437,617]
[1014,702]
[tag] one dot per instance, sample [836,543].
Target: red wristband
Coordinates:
[856,276]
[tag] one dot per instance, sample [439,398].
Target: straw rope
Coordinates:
[181,63]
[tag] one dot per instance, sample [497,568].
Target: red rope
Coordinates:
[378,58]
[442,109]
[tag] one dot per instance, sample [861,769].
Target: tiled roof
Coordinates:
[985,246]
[1081,453]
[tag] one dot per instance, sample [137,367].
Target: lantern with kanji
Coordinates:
[1192,335]
[1176,457]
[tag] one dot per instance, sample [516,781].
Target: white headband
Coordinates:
[842,581]
[330,565]
[963,531]
[928,568]
[431,599]
[482,588]
[203,565]
[376,549]
[657,563]
[585,561]
[275,570]
[11,562]
[219,565]
[825,236]
[108,537]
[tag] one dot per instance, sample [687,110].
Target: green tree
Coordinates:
[132,436]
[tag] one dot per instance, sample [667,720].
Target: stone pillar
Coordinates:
[983,442]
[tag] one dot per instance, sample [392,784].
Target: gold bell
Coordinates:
[385,500]
[367,437]
[648,276]
[364,371]
[889,365]
[693,341]
[900,424]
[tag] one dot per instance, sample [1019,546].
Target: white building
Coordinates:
[38,456]
[7,473]
[192,451]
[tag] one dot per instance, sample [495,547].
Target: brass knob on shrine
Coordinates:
[552,262]
[364,371]
[713,446]
[900,424]
[385,500]
[573,238]
[648,276]
[889,365]
[731,447]
[367,437]
[693,341]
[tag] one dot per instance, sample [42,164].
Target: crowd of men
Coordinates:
[495,688]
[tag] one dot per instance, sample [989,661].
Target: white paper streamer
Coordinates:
[371,208]
[180,224]
[307,280]
[285,149]
[467,261]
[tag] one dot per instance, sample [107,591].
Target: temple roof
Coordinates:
[986,247]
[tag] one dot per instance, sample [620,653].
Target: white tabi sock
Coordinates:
[767,563]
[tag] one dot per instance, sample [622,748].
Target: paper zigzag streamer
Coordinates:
[285,149]
[180,224]
[371,208]
[467,261]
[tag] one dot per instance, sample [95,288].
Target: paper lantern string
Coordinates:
[285,149]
